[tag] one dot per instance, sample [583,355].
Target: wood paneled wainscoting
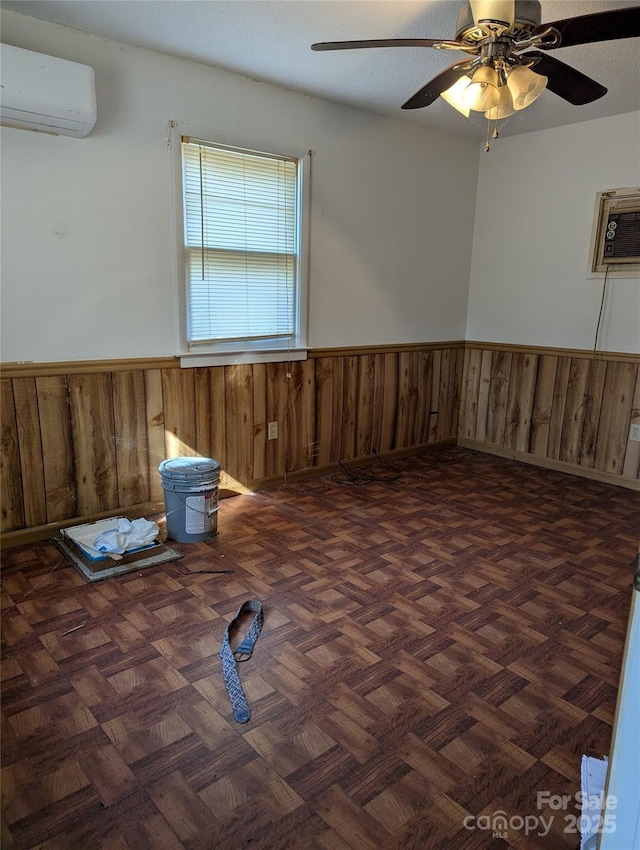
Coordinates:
[84,440]
[568,410]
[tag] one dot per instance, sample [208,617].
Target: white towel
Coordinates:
[126,536]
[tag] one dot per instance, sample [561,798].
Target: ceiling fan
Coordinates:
[507,70]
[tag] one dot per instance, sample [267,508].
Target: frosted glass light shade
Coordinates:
[525,86]
[482,92]
[504,108]
[454,98]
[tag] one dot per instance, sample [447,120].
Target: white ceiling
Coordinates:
[270,40]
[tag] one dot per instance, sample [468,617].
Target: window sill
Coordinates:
[229,358]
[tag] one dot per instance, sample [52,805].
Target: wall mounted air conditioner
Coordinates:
[615,236]
[46,94]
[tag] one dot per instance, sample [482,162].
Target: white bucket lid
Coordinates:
[188,468]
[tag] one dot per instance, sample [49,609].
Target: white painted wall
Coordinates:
[87,264]
[534,214]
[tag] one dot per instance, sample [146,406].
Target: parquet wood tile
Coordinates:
[436,649]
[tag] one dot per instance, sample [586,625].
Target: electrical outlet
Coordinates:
[272,431]
[634,433]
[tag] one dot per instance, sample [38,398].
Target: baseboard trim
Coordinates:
[44,532]
[547,463]
[35,534]
[333,468]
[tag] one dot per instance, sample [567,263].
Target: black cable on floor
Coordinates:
[359,476]
[394,469]
[366,474]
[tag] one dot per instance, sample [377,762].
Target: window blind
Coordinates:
[240,222]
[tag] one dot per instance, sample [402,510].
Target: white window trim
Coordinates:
[260,351]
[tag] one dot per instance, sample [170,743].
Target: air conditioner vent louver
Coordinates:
[622,237]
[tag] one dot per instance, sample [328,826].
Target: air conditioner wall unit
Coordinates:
[615,236]
[46,94]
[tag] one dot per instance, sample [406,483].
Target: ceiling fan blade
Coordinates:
[565,81]
[498,11]
[388,42]
[432,90]
[601,26]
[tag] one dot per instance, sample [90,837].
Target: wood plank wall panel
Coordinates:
[132,450]
[348,423]
[520,400]
[560,387]
[94,442]
[154,423]
[451,375]
[435,395]
[260,420]
[498,395]
[543,405]
[337,406]
[300,421]
[277,391]
[446,386]
[239,422]
[573,409]
[483,395]
[202,410]
[365,417]
[179,399]
[632,457]
[377,407]
[79,444]
[617,400]
[407,398]
[423,409]
[217,407]
[389,402]
[594,411]
[54,413]
[26,411]
[324,411]
[10,475]
[470,392]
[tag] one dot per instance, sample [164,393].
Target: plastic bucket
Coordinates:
[190,487]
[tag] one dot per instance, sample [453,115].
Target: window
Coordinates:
[241,257]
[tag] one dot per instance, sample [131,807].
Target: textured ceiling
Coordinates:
[270,40]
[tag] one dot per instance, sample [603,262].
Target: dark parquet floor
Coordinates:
[436,649]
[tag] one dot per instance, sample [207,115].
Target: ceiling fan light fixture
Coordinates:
[482,92]
[499,81]
[454,95]
[525,86]
[504,108]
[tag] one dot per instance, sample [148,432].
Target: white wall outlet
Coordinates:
[272,431]
[634,433]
